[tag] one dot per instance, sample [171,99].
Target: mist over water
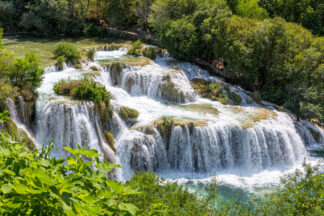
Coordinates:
[246,153]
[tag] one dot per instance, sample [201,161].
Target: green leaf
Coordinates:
[128,207]
[72,151]
[6,188]
[71,160]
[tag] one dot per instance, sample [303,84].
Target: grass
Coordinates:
[45,46]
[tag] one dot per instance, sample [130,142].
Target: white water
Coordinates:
[243,156]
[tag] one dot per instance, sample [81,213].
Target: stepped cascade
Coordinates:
[176,129]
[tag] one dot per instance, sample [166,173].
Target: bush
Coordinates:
[60,62]
[65,87]
[127,113]
[136,49]
[94,31]
[68,52]
[159,197]
[90,54]
[150,52]
[26,71]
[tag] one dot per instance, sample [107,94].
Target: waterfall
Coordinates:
[155,82]
[210,148]
[205,136]
[71,125]
[20,122]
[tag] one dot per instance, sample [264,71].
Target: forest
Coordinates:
[272,48]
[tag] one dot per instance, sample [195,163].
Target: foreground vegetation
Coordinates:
[33,183]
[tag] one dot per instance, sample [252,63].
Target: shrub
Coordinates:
[90,54]
[60,62]
[127,113]
[94,31]
[65,87]
[68,52]
[26,71]
[159,197]
[136,49]
[150,52]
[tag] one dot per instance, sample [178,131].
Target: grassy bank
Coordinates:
[44,47]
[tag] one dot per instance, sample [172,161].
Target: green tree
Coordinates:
[251,9]
[179,37]
[46,16]
[26,71]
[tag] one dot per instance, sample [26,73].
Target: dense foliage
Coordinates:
[281,60]
[34,184]
[18,74]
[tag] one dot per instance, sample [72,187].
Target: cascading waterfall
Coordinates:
[205,136]
[17,119]
[66,122]
[154,81]
[71,125]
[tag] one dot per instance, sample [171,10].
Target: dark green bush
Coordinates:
[68,51]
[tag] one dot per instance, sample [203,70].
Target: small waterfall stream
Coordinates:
[205,137]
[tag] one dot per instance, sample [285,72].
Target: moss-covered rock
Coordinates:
[169,91]
[115,70]
[127,113]
[235,98]
[20,135]
[94,68]
[109,138]
[164,126]
[257,97]
[212,91]
[317,135]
